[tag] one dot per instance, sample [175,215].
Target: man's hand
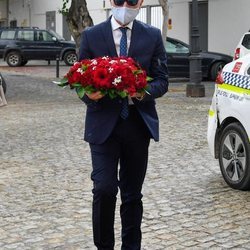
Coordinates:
[95,96]
[138,96]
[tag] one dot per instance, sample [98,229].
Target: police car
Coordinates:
[243,47]
[228,131]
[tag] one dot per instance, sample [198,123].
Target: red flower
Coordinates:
[101,78]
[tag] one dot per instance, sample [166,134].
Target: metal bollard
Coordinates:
[57,66]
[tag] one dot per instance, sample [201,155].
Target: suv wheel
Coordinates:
[14,59]
[234,157]
[70,58]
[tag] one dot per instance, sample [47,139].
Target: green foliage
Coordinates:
[64,10]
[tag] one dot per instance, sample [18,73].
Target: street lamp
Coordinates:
[195,88]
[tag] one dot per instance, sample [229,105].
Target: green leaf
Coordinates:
[75,85]
[149,79]
[64,80]
[138,71]
[123,94]
[112,95]
[89,89]
[80,92]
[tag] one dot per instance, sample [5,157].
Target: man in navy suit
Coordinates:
[117,140]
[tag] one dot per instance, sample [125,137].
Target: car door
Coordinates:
[25,42]
[6,38]
[47,46]
[178,58]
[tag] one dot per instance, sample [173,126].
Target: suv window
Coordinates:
[246,41]
[25,35]
[44,36]
[8,34]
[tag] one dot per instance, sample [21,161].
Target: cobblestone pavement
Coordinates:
[45,187]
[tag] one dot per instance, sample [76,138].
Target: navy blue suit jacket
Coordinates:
[146,47]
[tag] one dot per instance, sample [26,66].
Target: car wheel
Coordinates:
[234,154]
[70,58]
[2,81]
[14,59]
[215,69]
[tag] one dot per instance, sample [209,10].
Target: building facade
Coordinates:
[221,22]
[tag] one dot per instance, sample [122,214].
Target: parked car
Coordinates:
[243,46]
[178,54]
[19,45]
[228,131]
[3,83]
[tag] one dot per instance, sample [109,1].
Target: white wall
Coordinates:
[179,13]
[19,10]
[3,7]
[226,25]
[39,9]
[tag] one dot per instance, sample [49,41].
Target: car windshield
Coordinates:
[176,47]
[56,35]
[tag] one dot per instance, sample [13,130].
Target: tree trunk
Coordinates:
[78,19]
[164,5]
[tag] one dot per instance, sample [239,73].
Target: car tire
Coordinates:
[14,59]
[234,156]
[2,81]
[215,69]
[70,58]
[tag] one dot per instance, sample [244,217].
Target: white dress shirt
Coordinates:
[117,34]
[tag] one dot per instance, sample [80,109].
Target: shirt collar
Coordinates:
[115,25]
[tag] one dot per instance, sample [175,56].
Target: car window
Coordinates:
[43,35]
[246,41]
[172,47]
[56,35]
[8,34]
[25,35]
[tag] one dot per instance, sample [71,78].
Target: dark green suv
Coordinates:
[19,45]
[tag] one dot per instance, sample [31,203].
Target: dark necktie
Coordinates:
[123,52]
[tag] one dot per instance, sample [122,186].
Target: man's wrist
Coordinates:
[141,97]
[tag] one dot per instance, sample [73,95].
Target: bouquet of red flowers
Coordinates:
[119,76]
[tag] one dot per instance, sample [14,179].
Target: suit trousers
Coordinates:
[128,147]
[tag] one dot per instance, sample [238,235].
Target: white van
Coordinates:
[228,132]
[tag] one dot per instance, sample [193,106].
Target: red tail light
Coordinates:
[219,78]
[237,54]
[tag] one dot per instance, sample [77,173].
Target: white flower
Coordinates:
[110,70]
[93,62]
[123,60]
[80,70]
[117,80]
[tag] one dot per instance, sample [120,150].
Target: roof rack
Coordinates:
[19,27]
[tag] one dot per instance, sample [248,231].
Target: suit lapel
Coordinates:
[136,37]
[108,37]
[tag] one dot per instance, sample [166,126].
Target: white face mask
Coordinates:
[124,15]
